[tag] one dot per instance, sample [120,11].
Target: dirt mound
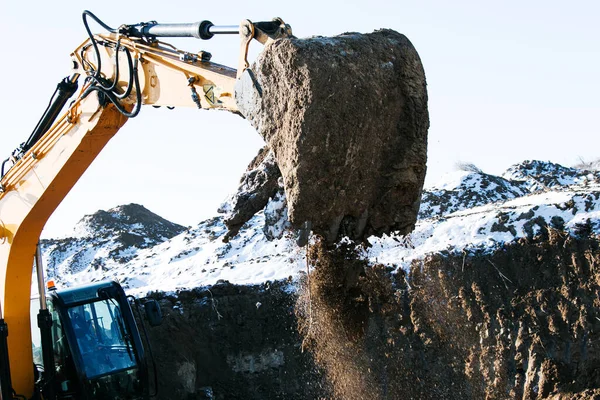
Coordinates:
[521,323]
[347,119]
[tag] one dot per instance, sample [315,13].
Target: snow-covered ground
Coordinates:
[466,211]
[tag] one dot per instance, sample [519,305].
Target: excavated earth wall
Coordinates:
[232,342]
[522,323]
[347,119]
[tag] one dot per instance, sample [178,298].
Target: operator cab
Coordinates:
[98,353]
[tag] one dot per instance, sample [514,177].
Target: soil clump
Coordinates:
[347,119]
[258,184]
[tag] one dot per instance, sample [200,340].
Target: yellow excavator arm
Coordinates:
[118,72]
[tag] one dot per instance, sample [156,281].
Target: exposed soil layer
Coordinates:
[347,119]
[232,342]
[523,323]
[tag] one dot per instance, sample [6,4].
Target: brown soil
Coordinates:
[522,323]
[347,119]
[332,315]
[232,342]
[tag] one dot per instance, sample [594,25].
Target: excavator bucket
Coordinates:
[347,119]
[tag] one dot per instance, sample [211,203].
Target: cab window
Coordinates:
[103,341]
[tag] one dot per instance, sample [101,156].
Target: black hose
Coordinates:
[108,91]
[114,84]
[87,66]
[102,24]
[112,87]
[2,172]
[114,98]
[132,71]
[97,73]
[84,16]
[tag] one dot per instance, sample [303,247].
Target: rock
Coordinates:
[347,119]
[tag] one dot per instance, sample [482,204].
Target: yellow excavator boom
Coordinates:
[42,175]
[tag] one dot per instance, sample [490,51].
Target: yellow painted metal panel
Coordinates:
[37,183]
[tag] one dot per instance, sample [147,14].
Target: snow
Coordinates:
[474,228]
[474,212]
[452,180]
[195,259]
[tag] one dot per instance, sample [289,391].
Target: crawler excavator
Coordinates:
[90,344]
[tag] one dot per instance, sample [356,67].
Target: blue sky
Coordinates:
[507,81]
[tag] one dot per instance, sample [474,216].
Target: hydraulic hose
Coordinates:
[65,89]
[132,71]
[115,99]
[2,171]
[96,76]
[87,13]
[84,16]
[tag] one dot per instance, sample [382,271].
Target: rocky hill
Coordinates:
[466,210]
[493,294]
[102,241]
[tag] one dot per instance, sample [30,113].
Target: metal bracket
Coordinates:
[195,97]
[188,57]
[246,36]
[263,32]
[73,115]
[191,58]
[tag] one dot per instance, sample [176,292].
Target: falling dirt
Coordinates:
[521,323]
[333,314]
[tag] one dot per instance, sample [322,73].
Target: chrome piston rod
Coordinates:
[200,30]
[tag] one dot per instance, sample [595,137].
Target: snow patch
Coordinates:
[468,211]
